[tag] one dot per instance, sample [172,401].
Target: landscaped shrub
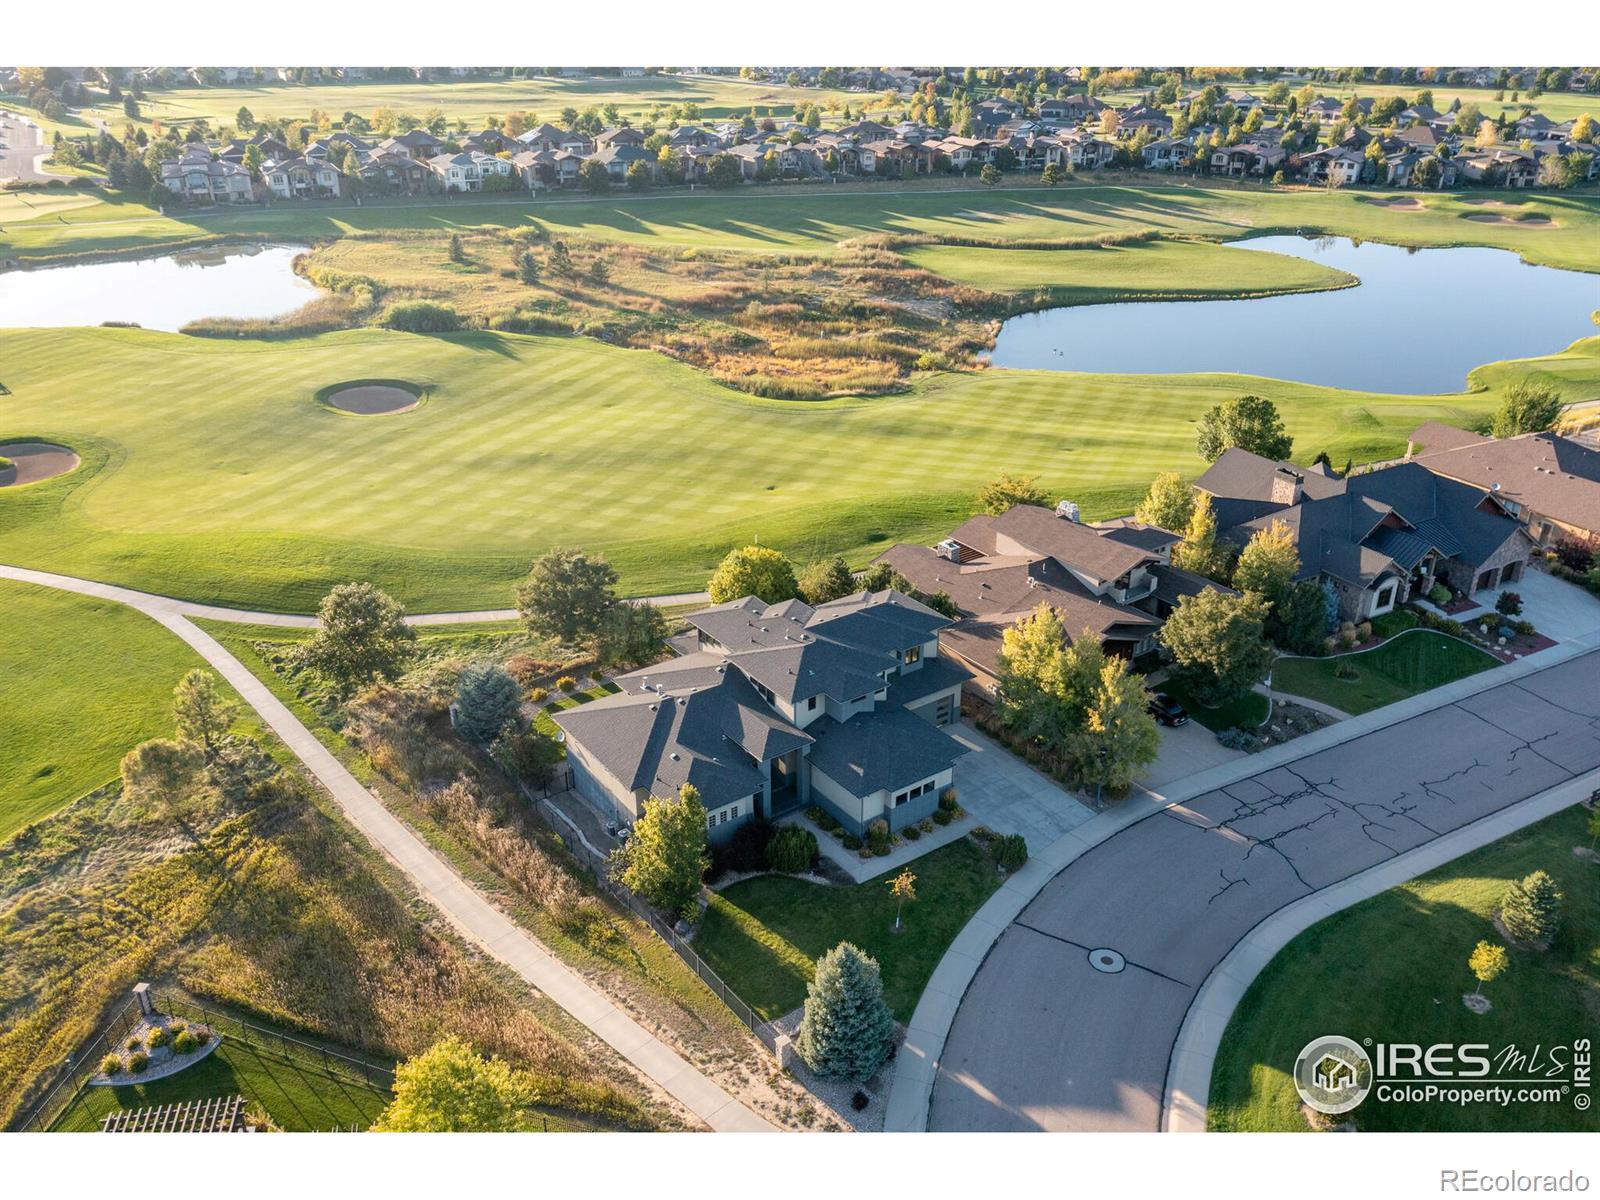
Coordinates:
[911,833]
[1345,669]
[1509,604]
[176,1026]
[745,851]
[1439,594]
[202,1035]
[1574,556]
[947,800]
[597,674]
[138,1061]
[792,850]
[157,1038]
[1531,909]
[110,1065]
[822,818]
[852,842]
[538,695]
[1364,631]
[134,1043]
[422,316]
[1009,851]
[1236,739]
[926,824]
[566,683]
[5,463]
[1524,628]
[185,1043]
[860,1100]
[878,835]
[943,817]
[1395,622]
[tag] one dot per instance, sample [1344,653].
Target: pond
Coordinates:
[158,293]
[1416,324]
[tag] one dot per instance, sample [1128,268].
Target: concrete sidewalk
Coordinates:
[1188,1090]
[465,908]
[917,1064]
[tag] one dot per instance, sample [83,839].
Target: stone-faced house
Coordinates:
[1374,540]
[198,177]
[299,179]
[780,707]
[1548,483]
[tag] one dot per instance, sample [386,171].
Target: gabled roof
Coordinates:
[1040,531]
[1553,475]
[704,726]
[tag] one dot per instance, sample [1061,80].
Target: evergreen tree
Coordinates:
[1531,909]
[1302,620]
[847,1030]
[487,701]
[666,856]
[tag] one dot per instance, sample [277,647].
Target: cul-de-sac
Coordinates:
[837,599]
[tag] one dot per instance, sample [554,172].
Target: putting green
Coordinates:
[207,474]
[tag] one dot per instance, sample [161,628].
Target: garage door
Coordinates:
[944,711]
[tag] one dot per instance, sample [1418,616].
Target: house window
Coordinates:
[913,655]
[811,704]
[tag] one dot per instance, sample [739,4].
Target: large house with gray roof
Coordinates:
[1375,540]
[772,708]
[1114,581]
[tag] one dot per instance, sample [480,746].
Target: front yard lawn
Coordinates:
[1403,666]
[764,935]
[1394,969]
[1243,712]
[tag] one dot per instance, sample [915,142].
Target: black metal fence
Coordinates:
[78,1069]
[302,1055]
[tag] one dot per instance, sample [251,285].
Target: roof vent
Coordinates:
[674,756]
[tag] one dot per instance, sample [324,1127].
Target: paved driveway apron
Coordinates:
[1044,1040]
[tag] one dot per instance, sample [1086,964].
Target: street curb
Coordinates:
[917,1063]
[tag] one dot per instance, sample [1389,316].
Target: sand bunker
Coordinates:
[1536,220]
[373,397]
[1403,203]
[34,461]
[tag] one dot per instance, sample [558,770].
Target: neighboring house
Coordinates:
[1340,164]
[1373,540]
[395,174]
[782,706]
[301,179]
[1548,483]
[1114,581]
[197,177]
[1247,158]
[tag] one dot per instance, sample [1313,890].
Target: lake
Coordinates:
[1418,322]
[158,293]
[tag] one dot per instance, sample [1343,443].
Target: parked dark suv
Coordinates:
[1167,710]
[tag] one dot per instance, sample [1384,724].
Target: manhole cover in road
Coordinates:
[1108,961]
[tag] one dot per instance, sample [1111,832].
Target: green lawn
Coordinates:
[764,935]
[1198,270]
[211,472]
[1394,969]
[814,220]
[298,1093]
[1245,712]
[1413,662]
[82,682]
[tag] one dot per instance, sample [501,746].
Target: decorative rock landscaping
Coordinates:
[373,397]
[158,1046]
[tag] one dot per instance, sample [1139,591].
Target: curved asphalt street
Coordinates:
[1044,1041]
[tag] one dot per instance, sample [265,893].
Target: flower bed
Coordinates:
[158,1046]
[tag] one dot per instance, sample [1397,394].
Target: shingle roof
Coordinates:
[881,751]
[1552,475]
[1035,529]
[1447,512]
[1241,475]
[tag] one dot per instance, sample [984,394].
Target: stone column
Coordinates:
[141,993]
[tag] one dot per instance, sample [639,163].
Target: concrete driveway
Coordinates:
[1043,1040]
[1558,609]
[1185,751]
[1006,794]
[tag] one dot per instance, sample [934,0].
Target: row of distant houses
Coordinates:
[1076,132]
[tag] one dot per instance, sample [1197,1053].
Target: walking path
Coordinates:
[243,616]
[1188,1090]
[918,1063]
[436,881]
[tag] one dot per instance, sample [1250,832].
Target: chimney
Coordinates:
[1286,487]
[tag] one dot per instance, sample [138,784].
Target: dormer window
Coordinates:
[913,655]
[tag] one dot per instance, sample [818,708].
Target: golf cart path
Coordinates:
[1016,1031]
[466,908]
[242,616]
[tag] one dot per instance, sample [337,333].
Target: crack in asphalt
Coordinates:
[1227,884]
[1128,962]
